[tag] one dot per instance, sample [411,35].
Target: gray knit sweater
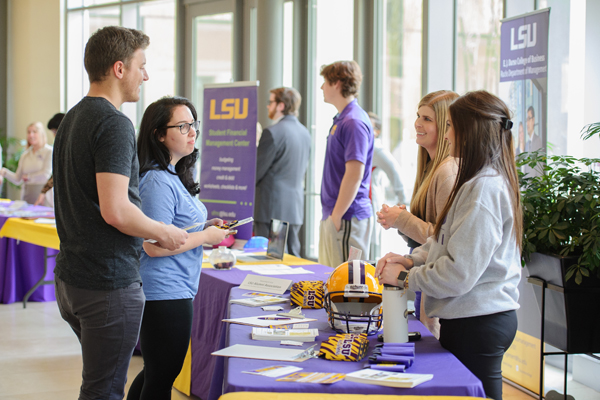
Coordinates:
[473,268]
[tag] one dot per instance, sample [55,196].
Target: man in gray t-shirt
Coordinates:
[98,216]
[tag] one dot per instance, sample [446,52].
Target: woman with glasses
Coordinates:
[167,154]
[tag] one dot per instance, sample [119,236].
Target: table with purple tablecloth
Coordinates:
[22,266]
[212,376]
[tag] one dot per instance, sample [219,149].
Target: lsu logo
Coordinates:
[309,298]
[332,131]
[230,109]
[344,346]
[526,36]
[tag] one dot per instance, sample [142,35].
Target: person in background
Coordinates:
[347,215]
[384,164]
[282,159]
[35,164]
[436,174]
[98,217]
[167,154]
[47,194]
[470,267]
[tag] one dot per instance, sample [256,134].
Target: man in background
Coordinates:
[347,215]
[534,140]
[98,217]
[46,196]
[281,162]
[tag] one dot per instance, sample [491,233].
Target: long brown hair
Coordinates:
[439,101]
[482,137]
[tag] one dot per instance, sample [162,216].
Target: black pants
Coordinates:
[165,337]
[480,343]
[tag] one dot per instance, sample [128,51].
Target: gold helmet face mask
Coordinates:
[353,298]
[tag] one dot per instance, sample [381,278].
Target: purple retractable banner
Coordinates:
[228,163]
[524,47]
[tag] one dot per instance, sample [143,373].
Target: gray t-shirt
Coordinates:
[94,137]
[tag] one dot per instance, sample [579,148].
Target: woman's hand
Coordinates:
[214,222]
[214,235]
[389,267]
[40,199]
[25,177]
[387,216]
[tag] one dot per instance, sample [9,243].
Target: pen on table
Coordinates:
[275,318]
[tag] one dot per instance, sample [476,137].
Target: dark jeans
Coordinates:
[480,343]
[165,338]
[107,324]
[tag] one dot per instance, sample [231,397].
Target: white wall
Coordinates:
[34,64]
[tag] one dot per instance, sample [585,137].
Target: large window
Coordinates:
[335,44]
[403,35]
[155,18]
[478,45]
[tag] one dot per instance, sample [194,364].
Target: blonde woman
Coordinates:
[471,266]
[436,173]
[35,164]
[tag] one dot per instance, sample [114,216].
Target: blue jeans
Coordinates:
[107,324]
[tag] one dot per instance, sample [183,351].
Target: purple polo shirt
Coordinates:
[350,138]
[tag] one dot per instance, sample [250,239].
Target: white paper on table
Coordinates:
[259,321]
[274,371]
[47,221]
[291,271]
[266,284]
[262,353]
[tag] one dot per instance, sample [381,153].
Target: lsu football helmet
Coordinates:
[353,298]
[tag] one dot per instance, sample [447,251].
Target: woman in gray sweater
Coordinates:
[470,268]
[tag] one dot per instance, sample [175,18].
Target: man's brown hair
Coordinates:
[290,98]
[347,72]
[109,45]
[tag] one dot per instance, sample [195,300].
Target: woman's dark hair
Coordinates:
[483,138]
[153,154]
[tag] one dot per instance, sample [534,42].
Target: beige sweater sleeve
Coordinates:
[437,195]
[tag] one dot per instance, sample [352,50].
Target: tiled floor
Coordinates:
[40,358]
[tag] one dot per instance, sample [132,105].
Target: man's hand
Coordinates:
[337,222]
[40,199]
[172,238]
[387,216]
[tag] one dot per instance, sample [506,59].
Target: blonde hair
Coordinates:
[39,128]
[438,101]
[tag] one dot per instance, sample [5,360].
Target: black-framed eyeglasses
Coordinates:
[271,102]
[185,127]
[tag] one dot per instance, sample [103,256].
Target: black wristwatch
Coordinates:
[403,279]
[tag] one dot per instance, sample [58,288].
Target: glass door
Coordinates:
[209,47]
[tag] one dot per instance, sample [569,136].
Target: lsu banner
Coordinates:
[228,163]
[524,47]
[524,78]
[524,88]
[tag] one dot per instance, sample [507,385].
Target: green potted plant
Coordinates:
[12,149]
[561,242]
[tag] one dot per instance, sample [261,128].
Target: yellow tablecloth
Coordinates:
[44,235]
[325,396]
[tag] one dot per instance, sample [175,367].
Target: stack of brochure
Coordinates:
[386,378]
[260,301]
[299,335]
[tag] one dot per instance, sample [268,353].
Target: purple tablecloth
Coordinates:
[212,376]
[208,332]
[450,376]
[22,265]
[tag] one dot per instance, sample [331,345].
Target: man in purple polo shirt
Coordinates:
[347,218]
